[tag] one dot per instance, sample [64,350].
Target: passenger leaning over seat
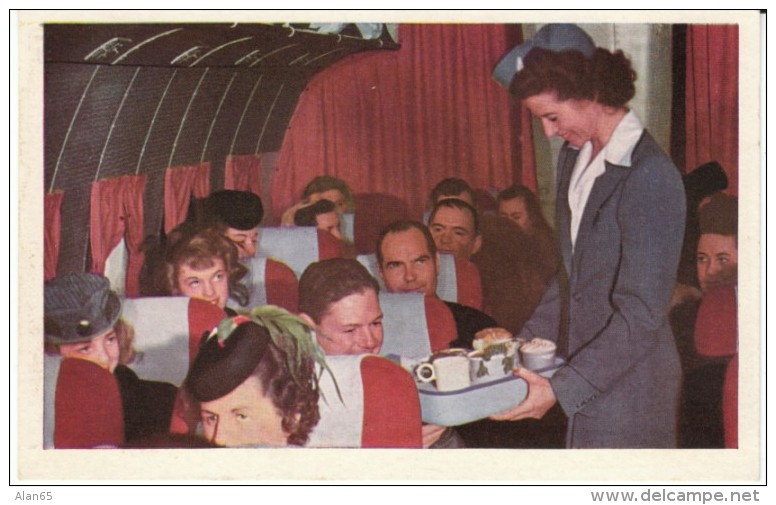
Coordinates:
[82,320]
[254,383]
[321,214]
[201,263]
[323,187]
[339,299]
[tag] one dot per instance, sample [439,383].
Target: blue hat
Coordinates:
[78,307]
[552,37]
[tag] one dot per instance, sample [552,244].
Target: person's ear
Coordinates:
[477,244]
[307,319]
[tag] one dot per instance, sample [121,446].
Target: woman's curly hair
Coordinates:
[296,403]
[606,78]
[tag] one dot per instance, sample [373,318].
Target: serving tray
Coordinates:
[478,401]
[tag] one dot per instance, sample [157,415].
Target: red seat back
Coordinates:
[375,405]
[88,411]
[716,325]
[730,404]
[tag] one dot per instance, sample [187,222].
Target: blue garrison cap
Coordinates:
[552,37]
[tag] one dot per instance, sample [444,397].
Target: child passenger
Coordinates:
[82,320]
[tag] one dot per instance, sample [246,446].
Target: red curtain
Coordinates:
[51,233]
[399,122]
[180,184]
[116,212]
[243,172]
[712,98]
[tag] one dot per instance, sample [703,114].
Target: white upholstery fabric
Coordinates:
[256,281]
[347,221]
[447,280]
[50,375]
[161,337]
[405,331]
[296,246]
[342,419]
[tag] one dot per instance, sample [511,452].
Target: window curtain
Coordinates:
[243,172]
[52,233]
[180,184]
[398,122]
[712,98]
[117,211]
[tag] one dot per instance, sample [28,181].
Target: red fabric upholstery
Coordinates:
[51,233]
[329,246]
[469,283]
[441,324]
[203,317]
[730,404]
[391,406]
[716,325]
[88,410]
[282,286]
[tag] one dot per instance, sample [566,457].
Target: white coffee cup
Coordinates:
[449,372]
[537,353]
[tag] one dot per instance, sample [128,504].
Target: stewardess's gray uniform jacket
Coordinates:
[621,384]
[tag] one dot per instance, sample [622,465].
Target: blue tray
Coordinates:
[478,401]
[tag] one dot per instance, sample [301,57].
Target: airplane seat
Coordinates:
[415,325]
[377,405]
[270,282]
[298,246]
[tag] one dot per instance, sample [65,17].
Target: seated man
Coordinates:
[454,226]
[322,214]
[408,261]
[338,298]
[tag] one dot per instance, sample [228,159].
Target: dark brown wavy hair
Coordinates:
[296,403]
[606,78]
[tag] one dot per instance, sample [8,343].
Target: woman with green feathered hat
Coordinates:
[254,381]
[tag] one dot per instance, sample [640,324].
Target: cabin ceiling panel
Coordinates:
[255,45]
[138,98]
